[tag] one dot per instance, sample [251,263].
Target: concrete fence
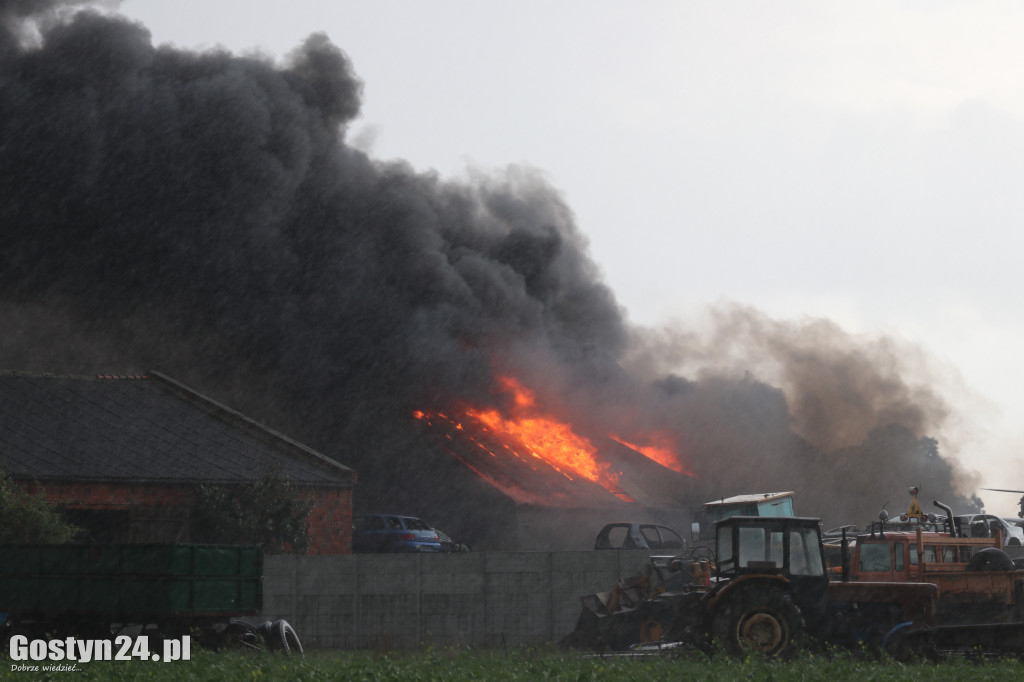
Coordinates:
[402,600]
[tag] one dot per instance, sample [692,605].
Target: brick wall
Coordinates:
[159,512]
[330,523]
[113,495]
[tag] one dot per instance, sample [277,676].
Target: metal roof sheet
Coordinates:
[739,499]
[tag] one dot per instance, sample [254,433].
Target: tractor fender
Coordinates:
[746,580]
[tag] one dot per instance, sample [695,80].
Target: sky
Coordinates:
[856,162]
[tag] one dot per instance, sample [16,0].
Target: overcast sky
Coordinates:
[857,161]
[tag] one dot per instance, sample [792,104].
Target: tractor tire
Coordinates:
[281,637]
[906,645]
[759,619]
[241,634]
[990,559]
[654,618]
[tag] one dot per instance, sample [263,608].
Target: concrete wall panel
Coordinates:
[399,600]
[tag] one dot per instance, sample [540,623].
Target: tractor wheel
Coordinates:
[281,637]
[907,645]
[654,618]
[238,633]
[990,559]
[761,619]
[651,631]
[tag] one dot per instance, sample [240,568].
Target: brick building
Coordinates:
[122,456]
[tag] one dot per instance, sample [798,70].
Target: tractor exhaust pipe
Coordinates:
[845,557]
[949,517]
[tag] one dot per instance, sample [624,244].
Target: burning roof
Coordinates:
[536,458]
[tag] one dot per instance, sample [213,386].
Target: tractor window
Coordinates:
[725,545]
[913,553]
[898,556]
[752,546]
[875,556]
[929,554]
[949,554]
[775,544]
[804,553]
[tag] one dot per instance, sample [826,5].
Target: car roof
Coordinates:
[404,516]
[399,516]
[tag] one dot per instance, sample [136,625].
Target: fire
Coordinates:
[545,437]
[662,450]
[537,438]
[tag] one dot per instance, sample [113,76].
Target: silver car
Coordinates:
[986,525]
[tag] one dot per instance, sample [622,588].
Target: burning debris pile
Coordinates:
[202,214]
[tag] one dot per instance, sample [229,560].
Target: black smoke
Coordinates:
[201,213]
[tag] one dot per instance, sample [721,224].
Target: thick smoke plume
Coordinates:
[202,214]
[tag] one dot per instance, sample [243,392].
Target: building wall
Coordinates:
[330,523]
[159,512]
[123,512]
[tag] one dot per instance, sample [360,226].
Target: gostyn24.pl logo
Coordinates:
[71,649]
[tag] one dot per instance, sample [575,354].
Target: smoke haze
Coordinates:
[203,214]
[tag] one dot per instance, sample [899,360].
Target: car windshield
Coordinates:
[412,523]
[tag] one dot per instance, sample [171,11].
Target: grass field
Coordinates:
[519,664]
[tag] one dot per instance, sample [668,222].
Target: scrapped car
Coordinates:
[649,536]
[384,533]
[449,545]
[986,526]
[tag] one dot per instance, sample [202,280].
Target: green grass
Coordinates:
[526,664]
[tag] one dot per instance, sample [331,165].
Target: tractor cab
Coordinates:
[785,546]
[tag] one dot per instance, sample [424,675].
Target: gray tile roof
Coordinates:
[148,428]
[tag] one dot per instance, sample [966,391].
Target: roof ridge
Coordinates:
[75,377]
[252,423]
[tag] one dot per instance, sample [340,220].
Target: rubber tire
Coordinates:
[239,633]
[759,619]
[653,618]
[281,637]
[906,645]
[990,559]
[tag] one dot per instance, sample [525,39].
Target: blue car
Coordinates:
[385,533]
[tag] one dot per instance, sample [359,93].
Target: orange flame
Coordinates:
[528,434]
[545,437]
[662,450]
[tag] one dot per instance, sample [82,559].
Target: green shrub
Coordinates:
[26,518]
[268,511]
